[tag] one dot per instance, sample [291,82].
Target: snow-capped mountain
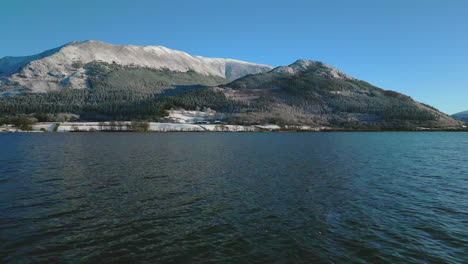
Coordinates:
[62,66]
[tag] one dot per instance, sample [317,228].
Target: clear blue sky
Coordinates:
[417,47]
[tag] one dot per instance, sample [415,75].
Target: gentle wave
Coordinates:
[235,198]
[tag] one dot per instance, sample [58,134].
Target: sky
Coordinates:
[418,47]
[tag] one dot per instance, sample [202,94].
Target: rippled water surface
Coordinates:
[234,198]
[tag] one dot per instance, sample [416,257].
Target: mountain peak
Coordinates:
[46,71]
[317,67]
[303,63]
[79,42]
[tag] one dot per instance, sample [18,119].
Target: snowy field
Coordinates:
[190,117]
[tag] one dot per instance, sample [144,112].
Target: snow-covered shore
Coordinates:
[153,127]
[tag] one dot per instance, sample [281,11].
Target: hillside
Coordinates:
[62,67]
[113,92]
[461,116]
[313,93]
[99,81]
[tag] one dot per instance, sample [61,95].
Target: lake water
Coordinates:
[234,198]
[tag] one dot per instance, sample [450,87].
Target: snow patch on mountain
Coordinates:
[61,67]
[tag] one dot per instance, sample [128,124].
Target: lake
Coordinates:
[234,197]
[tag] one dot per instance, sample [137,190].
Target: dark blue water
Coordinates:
[234,198]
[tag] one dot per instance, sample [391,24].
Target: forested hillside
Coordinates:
[115,92]
[303,93]
[310,92]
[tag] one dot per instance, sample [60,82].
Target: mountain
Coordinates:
[62,67]
[100,81]
[314,93]
[461,116]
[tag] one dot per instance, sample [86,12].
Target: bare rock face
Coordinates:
[62,67]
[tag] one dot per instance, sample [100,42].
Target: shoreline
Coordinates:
[125,126]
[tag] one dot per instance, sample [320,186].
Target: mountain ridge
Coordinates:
[46,71]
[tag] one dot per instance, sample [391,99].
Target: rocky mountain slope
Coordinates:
[62,67]
[461,116]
